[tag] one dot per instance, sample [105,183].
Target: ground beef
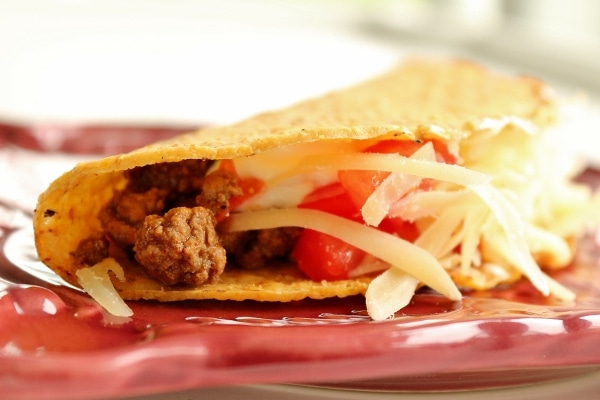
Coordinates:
[182,177]
[155,189]
[182,180]
[253,249]
[125,213]
[92,250]
[181,247]
[165,218]
[217,188]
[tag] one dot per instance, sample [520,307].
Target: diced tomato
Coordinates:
[333,199]
[404,229]
[321,256]
[324,257]
[361,184]
[404,148]
[250,186]
[443,153]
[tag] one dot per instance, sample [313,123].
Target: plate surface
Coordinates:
[56,343]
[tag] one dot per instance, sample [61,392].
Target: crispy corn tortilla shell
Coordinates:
[274,283]
[417,100]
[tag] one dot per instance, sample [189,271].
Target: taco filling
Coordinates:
[342,208]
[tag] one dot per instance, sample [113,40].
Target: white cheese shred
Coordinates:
[559,290]
[397,252]
[96,282]
[389,292]
[388,163]
[515,233]
[393,188]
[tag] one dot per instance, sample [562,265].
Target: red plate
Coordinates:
[56,343]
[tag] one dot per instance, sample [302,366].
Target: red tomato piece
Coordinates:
[321,256]
[407,148]
[324,257]
[361,184]
[443,153]
[250,187]
[333,199]
[404,229]
[404,148]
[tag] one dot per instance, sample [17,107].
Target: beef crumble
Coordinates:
[166,218]
[151,189]
[125,213]
[181,247]
[217,188]
[92,250]
[180,178]
[253,249]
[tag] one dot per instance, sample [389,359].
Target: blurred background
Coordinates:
[184,62]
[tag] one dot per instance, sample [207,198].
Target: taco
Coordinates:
[437,174]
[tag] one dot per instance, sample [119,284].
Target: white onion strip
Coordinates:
[392,249]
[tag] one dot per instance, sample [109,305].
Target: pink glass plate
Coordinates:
[57,343]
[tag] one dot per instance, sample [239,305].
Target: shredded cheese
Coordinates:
[427,204]
[514,231]
[369,265]
[96,282]
[438,238]
[389,292]
[385,162]
[559,290]
[393,188]
[471,237]
[540,240]
[396,251]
